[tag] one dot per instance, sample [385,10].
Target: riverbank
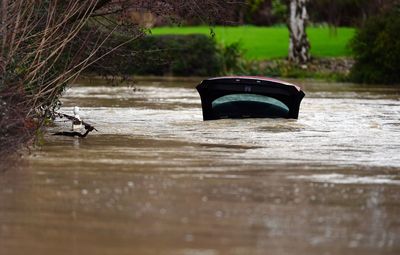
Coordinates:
[328,69]
[324,69]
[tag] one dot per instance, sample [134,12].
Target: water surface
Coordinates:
[156,179]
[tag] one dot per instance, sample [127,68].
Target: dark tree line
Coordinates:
[348,12]
[334,12]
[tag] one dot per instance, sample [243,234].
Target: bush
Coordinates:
[376,47]
[231,58]
[184,55]
[181,55]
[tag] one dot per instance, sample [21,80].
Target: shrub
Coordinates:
[231,58]
[182,55]
[376,47]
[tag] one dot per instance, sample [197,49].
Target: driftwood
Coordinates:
[88,127]
[73,133]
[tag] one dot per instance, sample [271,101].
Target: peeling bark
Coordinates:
[299,46]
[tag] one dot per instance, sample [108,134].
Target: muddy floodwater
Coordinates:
[156,179]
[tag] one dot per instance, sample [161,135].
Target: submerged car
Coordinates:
[249,97]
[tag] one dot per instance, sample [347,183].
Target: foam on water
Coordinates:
[349,179]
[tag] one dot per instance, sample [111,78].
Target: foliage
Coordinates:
[273,12]
[191,55]
[346,12]
[376,47]
[280,10]
[252,7]
[264,12]
[34,35]
[231,57]
[338,12]
[181,55]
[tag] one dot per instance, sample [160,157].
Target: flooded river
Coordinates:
[156,179]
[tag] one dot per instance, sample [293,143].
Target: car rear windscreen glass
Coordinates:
[249,105]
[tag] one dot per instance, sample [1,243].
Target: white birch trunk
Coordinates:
[299,47]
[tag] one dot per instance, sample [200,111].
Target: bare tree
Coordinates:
[299,46]
[33,36]
[40,56]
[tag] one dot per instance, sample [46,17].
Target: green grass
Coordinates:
[272,42]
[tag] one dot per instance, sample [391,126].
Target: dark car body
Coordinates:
[249,97]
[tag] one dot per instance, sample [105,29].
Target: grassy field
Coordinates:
[272,42]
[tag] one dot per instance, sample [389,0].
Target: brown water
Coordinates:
[156,179]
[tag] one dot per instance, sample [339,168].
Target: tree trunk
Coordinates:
[299,47]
